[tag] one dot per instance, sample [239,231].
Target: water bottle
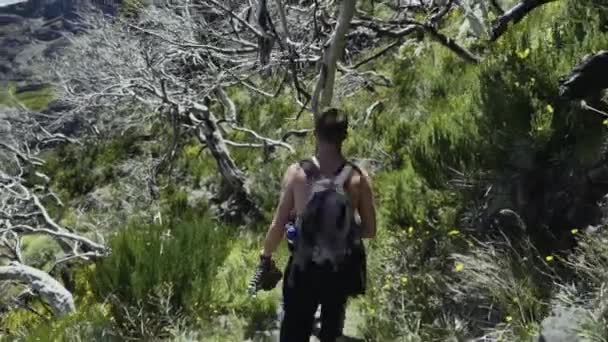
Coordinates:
[292,233]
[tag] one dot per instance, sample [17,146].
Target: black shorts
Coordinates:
[312,287]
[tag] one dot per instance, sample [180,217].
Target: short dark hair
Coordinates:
[332,125]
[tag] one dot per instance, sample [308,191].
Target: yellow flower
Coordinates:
[410,230]
[550,109]
[549,258]
[453,232]
[523,54]
[508,318]
[605,122]
[574,231]
[459,266]
[404,280]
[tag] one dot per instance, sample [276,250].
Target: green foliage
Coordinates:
[182,253]
[520,95]
[586,291]
[17,321]
[91,324]
[198,164]
[497,117]
[39,250]
[512,282]
[77,170]
[131,8]
[229,293]
[35,100]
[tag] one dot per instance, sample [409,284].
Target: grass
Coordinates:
[35,100]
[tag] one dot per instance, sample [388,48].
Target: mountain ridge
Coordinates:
[32,28]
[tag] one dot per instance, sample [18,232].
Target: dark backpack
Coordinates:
[328,235]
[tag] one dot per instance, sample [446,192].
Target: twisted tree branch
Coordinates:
[514,15]
[49,289]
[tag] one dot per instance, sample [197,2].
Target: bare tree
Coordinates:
[172,64]
[24,193]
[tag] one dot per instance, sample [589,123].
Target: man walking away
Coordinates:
[334,208]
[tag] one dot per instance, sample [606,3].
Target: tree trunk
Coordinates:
[515,15]
[49,289]
[325,85]
[209,134]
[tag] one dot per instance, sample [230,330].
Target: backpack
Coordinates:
[327,232]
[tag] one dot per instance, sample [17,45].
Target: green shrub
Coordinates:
[495,118]
[35,100]
[88,324]
[76,170]
[229,292]
[40,250]
[178,258]
[503,287]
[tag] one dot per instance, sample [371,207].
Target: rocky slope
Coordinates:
[33,29]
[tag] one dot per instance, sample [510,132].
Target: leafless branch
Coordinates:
[378,54]
[23,203]
[515,15]
[300,133]
[49,289]
[392,30]
[229,106]
[451,44]
[267,141]
[586,106]
[371,109]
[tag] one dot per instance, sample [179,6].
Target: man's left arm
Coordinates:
[367,207]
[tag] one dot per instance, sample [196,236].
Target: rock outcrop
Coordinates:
[561,326]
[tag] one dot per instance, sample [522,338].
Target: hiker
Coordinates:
[327,264]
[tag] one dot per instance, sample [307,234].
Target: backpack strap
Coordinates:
[310,167]
[344,175]
[315,161]
[313,171]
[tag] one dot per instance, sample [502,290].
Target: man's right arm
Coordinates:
[281,217]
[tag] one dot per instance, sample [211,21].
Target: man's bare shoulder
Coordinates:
[295,174]
[360,176]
